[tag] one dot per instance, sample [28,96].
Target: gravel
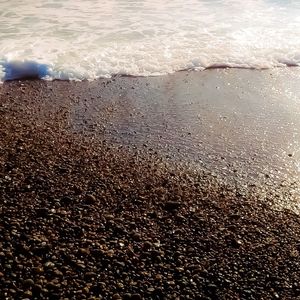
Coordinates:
[83,219]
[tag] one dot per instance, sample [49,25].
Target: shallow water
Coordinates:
[74,39]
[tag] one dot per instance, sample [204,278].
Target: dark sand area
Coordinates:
[175,187]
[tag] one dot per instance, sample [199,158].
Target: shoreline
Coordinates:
[35,75]
[242,125]
[117,188]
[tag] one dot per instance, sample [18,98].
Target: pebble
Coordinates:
[90,199]
[147,245]
[38,270]
[120,285]
[84,251]
[42,212]
[294,253]
[136,236]
[236,243]
[28,294]
[66,200]
[58,273]
[37,288]
[89,275]
[49,265]
[28,282]
[172,205]
[53,285]
[109,217]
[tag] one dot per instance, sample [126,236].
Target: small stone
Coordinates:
[120,264]
[84,251]
[109,253]
[80,266]
[236,243]
[49,265]
[66,200]
[136,297]
[28,294]
[102,285]
[53,286]
[294,253]
[152,214]
[78,190]
[212,286]
[180,218]
[120,285]
[156,253]
[109,217]
[158,277]
[116,297]
[58,273]
[38,270]
[90,275]
[90,199]
[37,288]
[147,245]
[118,229]
[136,236]
[42,212]
[28,282]
[172,205]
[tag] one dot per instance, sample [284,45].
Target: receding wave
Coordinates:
[15,70]
[77,40]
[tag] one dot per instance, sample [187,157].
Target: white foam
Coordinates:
[88,39]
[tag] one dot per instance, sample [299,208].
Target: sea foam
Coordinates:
[74,39]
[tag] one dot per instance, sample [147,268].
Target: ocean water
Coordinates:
[88,39]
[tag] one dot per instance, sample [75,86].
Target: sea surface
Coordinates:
[88,39]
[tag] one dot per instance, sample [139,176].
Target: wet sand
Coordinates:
[158,188]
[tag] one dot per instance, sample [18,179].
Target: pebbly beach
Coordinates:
[183,186]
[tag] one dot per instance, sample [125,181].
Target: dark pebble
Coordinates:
[172,205]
